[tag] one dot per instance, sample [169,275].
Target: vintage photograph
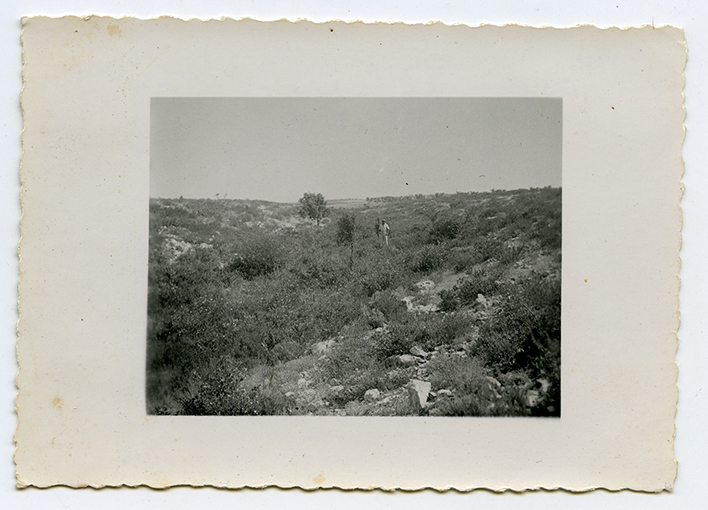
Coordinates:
[331,255]
[355,256]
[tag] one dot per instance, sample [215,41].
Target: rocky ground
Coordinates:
[416,389]
[255,310]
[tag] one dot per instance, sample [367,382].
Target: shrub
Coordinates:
[257,256]
[216,390]
[456,373]
[511,254]
[320,270]
[428,258]
[286,351]
[482,281]
[398,340]
[474,392]
[427,331]
[353,364]
[377,278]
[463,259]
[388,304]
[525,332]
[445,227]
[548,233]
[489,248]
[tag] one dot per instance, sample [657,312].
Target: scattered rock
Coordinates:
[545,384]
[337,389]
[290,394]
[489,389]
[404,360]
[323,347]
[408,300]
[482,300]
[417,351]
[426,308]
[302,382]
[425,285]
[408,360]
[444,393]
[372,395]
[469,347]
[441,349]
[493,382]
[532,398]
[418,392]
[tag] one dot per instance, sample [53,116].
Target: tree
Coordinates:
[313,206]
[346,227]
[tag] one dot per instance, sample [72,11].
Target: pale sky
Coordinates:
[279,148]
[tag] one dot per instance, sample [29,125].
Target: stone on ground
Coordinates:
[372,395]
[532,398]
[417,351]
[323,347]
[405,360]
[408,360]
[418,392]
[425,285]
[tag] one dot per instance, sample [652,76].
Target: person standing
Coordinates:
[385,231]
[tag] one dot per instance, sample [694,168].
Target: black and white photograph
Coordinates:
[355,257]
[351,256]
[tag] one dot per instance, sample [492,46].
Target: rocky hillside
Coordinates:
[254,310]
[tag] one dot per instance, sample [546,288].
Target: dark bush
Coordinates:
[390,305]
[464,259]
[489,248]
[485,281]
[428,258]
[379,276]
[257,256]
[445,227]
[216,390]
[524,334]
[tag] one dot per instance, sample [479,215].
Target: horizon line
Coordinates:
[424,195]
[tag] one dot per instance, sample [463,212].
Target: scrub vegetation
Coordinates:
[261,308]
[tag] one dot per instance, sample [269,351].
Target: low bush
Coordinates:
[318,269]
[429,258]
[445,227]
[475,393]
[485,281]
[398,339]
[389,304]
[489,248]
[524,334]
[257,255]
[216,390]
[377,277]
[426,331]
[463,258]
[453,372]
